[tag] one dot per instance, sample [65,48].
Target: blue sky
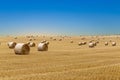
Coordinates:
[63,17]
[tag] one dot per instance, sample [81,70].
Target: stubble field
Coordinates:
[62,61]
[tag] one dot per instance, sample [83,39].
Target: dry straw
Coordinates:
[71,41]
[32,44]
[113,43]
[22,49]
[91,45]
[42,47]
[11,45]
[106,43]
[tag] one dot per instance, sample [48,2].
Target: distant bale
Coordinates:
[80,43]
[71,41]
[31,44]
[11,45]
[32,36]
[54,39]
[110,40]
[22,49]
[43,41]
[91,41]
[15,38]
[95,44]
[91,45]
[106,43]
[42,47]
[30,39]
[113,43]
[60,39]
[47,42]
[83,43]
[28,43]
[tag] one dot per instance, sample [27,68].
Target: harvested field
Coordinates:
[62,61]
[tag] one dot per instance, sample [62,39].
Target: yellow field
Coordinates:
[62,61]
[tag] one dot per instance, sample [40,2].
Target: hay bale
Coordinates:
[15,38]
[83,43]
[28,43]
[42,47]
[71,41]
[90,41]
[106,43]
[43,41]
[80,43]
[54,39]
[30,39]
[11,45]
[47,42]
[60,39]
[31,44]
[113,43]
[95,44]
[91,45]
[22,49]
[110,40]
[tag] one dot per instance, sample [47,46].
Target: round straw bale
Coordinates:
[47,42]
[97,42]
[71,41]
[32,44]
[28,43]
[43,41]
[54,39]
[83,43]
[90,41]
[113,43]
[42,47]
[91,45]
[22,49]
[30,39]
[80,43]
[60,39]
[110,40]
[15,38]
[11,45]
[106,43]
[94,43]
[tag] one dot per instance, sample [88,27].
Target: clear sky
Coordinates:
[64,17]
